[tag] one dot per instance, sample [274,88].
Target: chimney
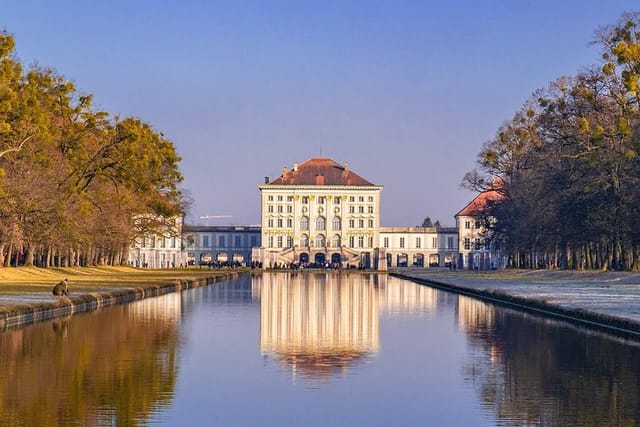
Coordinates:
[320,179]
[346,166]
[295,167]
[266,179]
[284,171]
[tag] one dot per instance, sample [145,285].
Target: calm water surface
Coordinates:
[315,350]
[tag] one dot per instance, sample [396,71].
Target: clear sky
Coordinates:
[405,91]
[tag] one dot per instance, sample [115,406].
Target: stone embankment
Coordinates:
[29,313]
[604,301]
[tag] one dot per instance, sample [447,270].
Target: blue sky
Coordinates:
[405,91]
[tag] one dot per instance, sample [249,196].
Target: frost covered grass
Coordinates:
[604,295]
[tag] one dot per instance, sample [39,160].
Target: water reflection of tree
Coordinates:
[534,371]
[112,367]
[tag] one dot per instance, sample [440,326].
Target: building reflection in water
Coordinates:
[318,324]
[529,370]
[115,366]
[402,298]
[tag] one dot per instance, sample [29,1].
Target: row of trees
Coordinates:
[568,168]
[76,185]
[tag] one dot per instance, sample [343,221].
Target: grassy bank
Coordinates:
[33,280]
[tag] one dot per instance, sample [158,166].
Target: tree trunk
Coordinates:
[28,257]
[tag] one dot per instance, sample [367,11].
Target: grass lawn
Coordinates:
[30,280]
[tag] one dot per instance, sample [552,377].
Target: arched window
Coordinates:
[335,241]
[336,223]
[304,240]
[320,223]
[304,223]
[320,241]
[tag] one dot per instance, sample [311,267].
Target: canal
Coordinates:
[316,350]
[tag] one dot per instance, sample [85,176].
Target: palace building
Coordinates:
[420,246]
[479,249]
[162,249]
[217,245]
[319,212]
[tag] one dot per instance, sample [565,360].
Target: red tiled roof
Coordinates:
[320,171]
[479,204]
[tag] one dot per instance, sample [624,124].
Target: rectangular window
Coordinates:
[173,242]
[305,200]
[270,198]
[289,223]
[467,243]
[361,199]
[478,224]
[361,223]
[270,240]
[402,242]
[280,208]
[270,208]
[370,242]
[289,241]
[352,209]
[370,223]
[221,242]
[289,198]
[270,222]
[351,241]
[144,242]
[370,199]
[487,244]
[418,242]
[370,209]
[279,198]
[467,225]
[162,242]
[360,241]
[434,243]
[336,200]
[238,241]
[254,241]
[321,200]
[449,242]
[279,241]
[352,223]
[352,199]
[205,241]
[477,245]
[289,209]
[385,242]
[279,222]
[360,209]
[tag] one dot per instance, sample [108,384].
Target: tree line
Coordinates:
[567,167]
[77,186]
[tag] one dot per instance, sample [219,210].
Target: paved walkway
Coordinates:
[613,294]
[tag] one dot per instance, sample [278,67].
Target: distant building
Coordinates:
[220,245]
[420,246]
[479,248]
[319,212]
[161,249]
